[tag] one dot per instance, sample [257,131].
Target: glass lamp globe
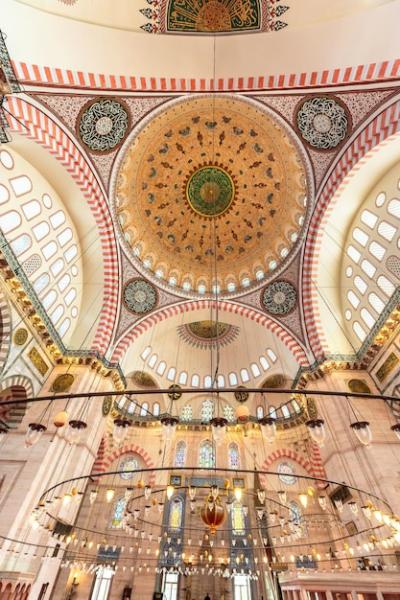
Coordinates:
[169,425]
[34,433]
[120,430]
[268,428]
[218,428]
[75,430]
[317,431]
[362,431]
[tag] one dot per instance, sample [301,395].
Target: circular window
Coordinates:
[287,473]
[129,464]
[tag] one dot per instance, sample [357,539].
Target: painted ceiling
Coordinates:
[211,183]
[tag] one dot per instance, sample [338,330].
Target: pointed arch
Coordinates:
[35,124]
[287,337]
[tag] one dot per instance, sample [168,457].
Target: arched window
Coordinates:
[272,355]
[233,456]
[195,380]
[187,413]
[264,363]
[143,409]
[161,368]
[180,454]
[152,361]
[272,412]
[285,411]
[244,375]
[255,369]
[229,413]
[118,513]
[260,412]
[207,381]
[156,409]
[145,352]
[207,411]
[175,514]
[238,519]
[206,455]
[183,377]
[171,374]
[233,380]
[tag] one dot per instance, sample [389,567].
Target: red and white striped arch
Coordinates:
[31,74]
[223,305]
[30,121]
[106,457]
[313,466]
[384,125]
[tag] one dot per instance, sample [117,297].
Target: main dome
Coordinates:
[210,180]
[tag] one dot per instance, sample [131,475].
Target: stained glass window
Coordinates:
[206,456]
[207,410]
[128,464]
[180,454]
[233,453]
[295,513]
[175,514]
[187,413]
[118,513]
[238,520]
[229,413]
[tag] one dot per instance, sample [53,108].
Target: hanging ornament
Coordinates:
[218,428]
[34,433]
[169,425]
[317,431]
[362,431]
[75,430]
[395,428]
[268,428]
[60,419]
[213,516]
[120,429]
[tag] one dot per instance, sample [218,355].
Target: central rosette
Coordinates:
[210,191]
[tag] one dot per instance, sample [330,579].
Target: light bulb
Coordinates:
[110,493]
[238,494]
[147,492]
[303,499]
[66,499]
[317,431]
[92,496]
[322,502]
[170,491]
[378,515]
[362,431]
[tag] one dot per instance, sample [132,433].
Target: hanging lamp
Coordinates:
[317,431]
[362,431]
[218,428]
[268,428]
[34,433]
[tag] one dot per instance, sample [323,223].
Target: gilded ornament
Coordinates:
[210,191]
[312,408]
[20,336]
[359,386]
[107,404]
[62,383]
[143,379]
[38,361]
[274,381]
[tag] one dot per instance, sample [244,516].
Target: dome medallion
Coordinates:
[211,180]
